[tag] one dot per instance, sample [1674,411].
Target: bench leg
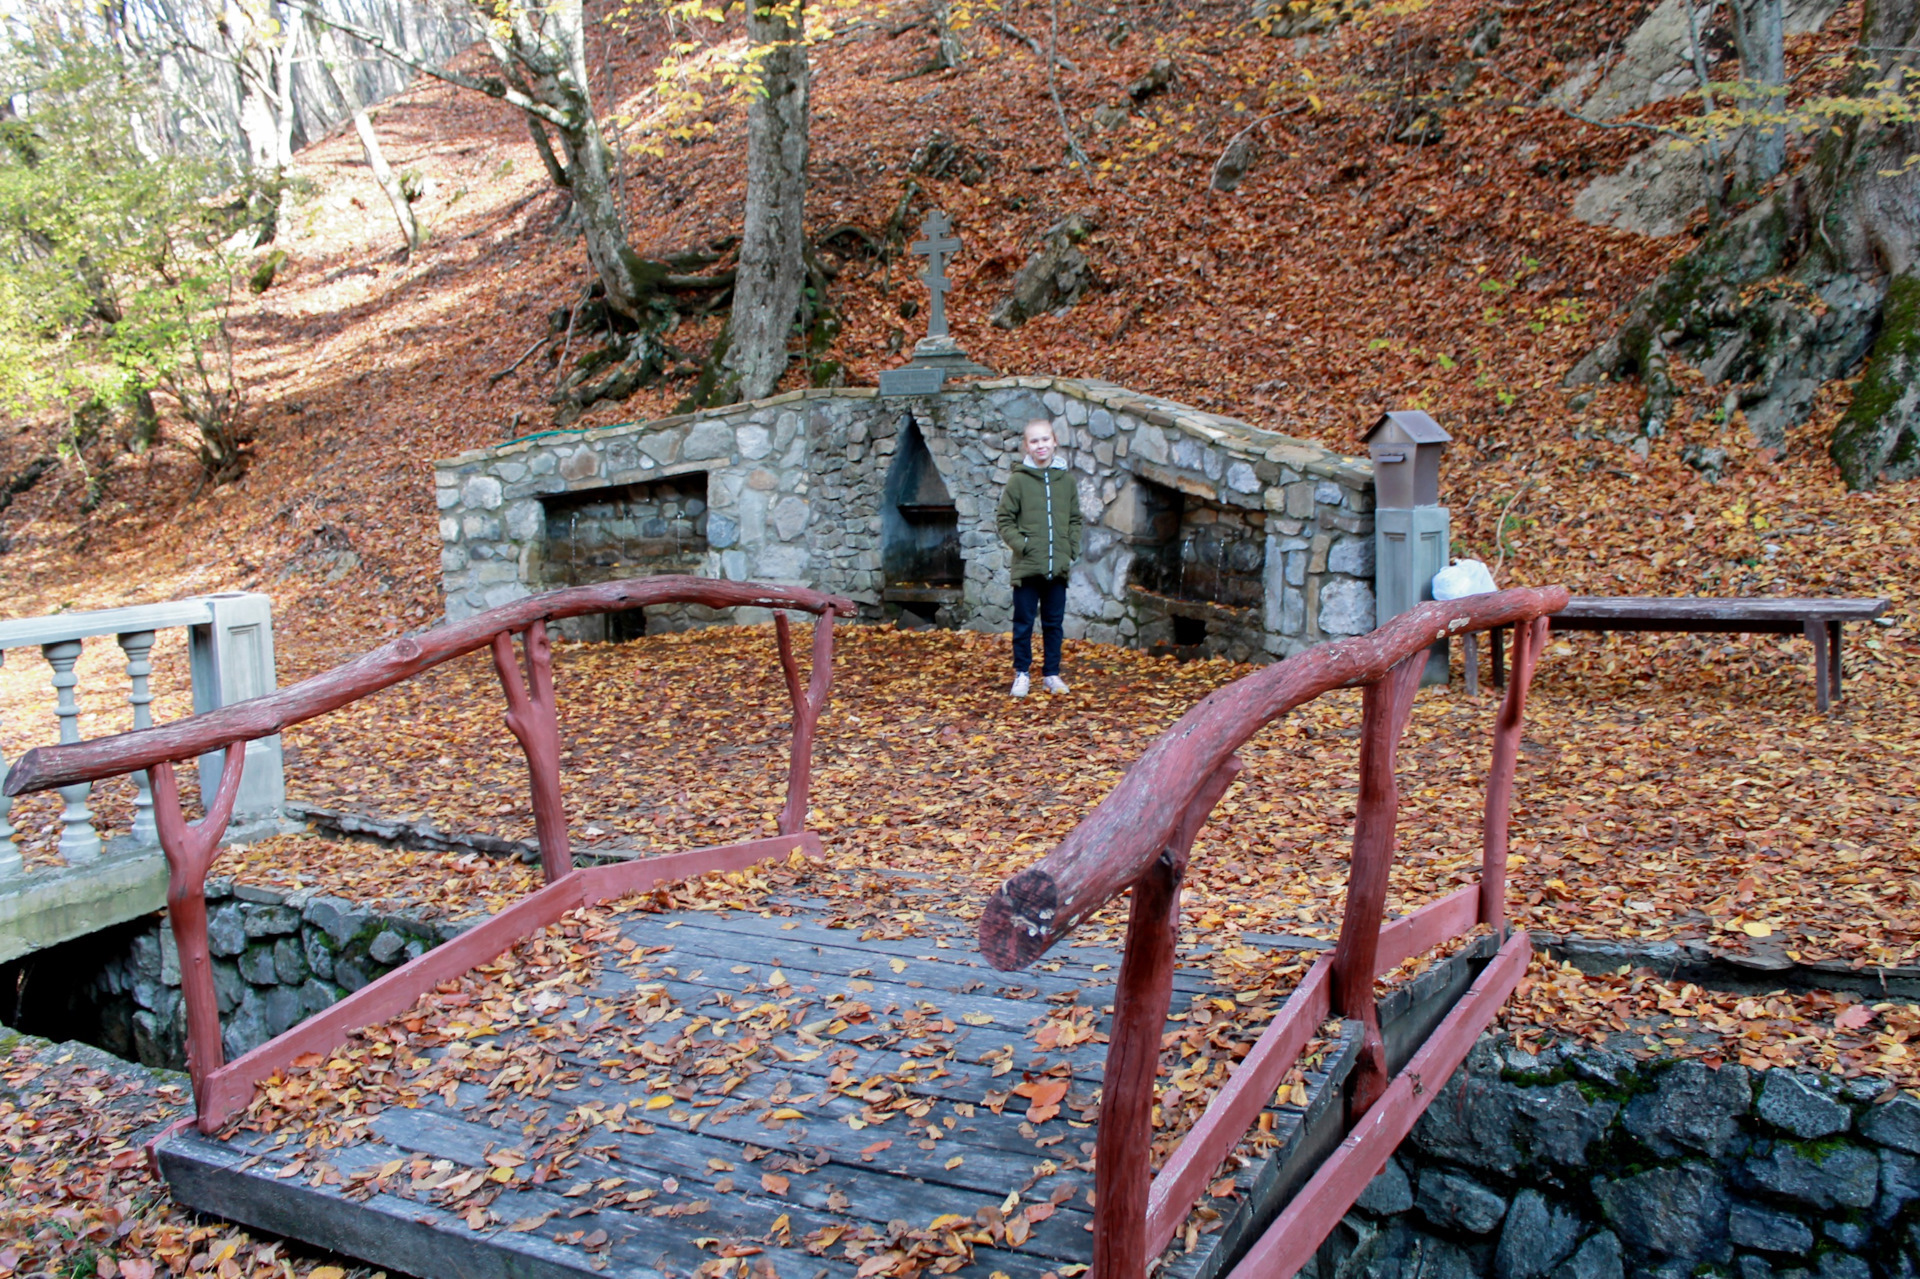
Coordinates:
[1470,657]
[1833,656]
[1499,656]
[1817,633]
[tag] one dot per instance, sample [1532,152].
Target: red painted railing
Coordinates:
[1139,839]
[220,1088]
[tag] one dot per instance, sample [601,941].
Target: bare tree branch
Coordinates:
[1053,87]
[491,87]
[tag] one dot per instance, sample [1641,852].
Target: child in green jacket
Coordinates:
[1039,520]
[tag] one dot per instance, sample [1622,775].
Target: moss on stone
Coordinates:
[1865,444]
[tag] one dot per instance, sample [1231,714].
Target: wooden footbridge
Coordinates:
[750,1092]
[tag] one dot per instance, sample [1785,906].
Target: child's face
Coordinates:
[1040,442]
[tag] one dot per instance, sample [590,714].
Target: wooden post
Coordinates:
[190,849]
[1386,705]
[1528,640]
[1123,1173]
[1833,657]
[807,705]
[531,716]
[1816,633]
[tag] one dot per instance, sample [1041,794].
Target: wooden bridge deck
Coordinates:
[877,1097]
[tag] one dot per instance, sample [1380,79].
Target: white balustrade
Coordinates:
[138,646]
[10,863]
[230,640]
[79,841]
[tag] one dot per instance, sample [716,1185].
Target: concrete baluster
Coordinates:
[138,646]
[10,863]
[79,842]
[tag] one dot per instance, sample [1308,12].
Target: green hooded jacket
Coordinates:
[1039,520]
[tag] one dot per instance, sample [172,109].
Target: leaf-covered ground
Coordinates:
[1673,788]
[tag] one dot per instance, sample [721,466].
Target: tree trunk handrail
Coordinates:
[45,767]
[532,716]
[1117,843]
[1138,840]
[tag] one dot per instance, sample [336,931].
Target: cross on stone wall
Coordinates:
[940,243]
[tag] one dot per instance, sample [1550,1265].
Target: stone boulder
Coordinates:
[1693,1109]
[1669,1214]
[1057,275]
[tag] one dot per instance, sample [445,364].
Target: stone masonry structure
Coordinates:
[1586,1163]
[1203,533]
[278,957]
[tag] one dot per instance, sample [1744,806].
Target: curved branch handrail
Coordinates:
[1138,840]
[1121,839]
[45,767]
[532,715]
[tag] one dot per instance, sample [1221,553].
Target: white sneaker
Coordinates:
[1020,684]
[1054,684]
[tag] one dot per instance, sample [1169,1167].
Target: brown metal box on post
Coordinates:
[1406,448]
[1412,532]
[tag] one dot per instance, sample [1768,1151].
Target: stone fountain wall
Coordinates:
[794,487]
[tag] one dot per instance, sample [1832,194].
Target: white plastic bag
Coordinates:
[1461,579]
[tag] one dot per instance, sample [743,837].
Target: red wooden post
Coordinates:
[1123,1173]
[531,716]
[1386,704]
[190,849]
[807,705]
[1529,638]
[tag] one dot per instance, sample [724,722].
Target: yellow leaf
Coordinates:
[977,1019]
[787,1112]
[327,1272]
[898,965]
[1752,929]
[661,1102]
[955,1162]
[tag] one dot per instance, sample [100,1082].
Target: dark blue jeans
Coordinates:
[1047,597]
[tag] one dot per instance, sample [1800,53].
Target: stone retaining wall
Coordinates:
[794,492]
[1587,1164]
[277,958]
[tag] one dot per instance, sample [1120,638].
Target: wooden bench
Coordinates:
[1818,619]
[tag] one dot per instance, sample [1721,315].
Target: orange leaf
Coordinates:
[1042,1092]
[1855,1017]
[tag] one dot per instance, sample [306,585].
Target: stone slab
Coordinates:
[43,908]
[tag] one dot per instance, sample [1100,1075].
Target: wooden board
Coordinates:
[1778,615]
[941,1029]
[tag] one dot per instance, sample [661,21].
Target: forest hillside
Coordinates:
[1402,237]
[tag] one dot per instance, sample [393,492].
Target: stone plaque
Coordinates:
[913,380]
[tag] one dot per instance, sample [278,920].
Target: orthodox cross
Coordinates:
[938,246]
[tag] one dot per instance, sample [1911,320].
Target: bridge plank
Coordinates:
[835,1174]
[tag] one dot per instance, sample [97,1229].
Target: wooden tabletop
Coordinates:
[1706,612]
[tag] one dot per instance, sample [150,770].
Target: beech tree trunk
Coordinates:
[542,58]
[766,295]
[260,48]
[1759,35]
[348,96]
[1842,239]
